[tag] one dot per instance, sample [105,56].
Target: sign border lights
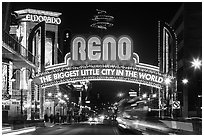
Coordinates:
[91,63]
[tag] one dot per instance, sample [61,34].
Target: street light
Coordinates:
[167,81]
[144,95]
[49,94]
[59,94]
[22,86]
[154,95]
[196,63]
[200,96]
[120,94]
[65,96]
[185,81]
[13,78]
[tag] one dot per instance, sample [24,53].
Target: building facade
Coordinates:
[187,24]
[22,62]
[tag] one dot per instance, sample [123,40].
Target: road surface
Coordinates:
[80,129]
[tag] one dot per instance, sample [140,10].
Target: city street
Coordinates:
[78,129]
[127,127]
[87,129]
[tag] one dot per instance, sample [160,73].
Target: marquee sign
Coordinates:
[95,59]
[106,51]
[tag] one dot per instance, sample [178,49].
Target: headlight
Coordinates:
[95,119]
[102,117]
[90,119]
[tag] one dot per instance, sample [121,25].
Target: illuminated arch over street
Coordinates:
[94,59]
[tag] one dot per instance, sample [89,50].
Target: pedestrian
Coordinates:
[54,118]
[58,118]
[51,118]
[61,118]
[46,118]
[69,118]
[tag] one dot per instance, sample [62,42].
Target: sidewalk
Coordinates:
[19,127]
[184,127]
[6,129]
[9,131]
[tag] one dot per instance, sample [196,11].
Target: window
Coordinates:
[7,107]
[13,102]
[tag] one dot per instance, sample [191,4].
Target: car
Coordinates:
[93,120]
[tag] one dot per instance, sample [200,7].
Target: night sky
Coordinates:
[136,19]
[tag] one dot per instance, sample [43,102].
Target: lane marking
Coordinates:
[115,131]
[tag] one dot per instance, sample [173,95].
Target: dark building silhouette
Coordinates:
[187,24]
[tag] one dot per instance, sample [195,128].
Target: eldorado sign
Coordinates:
[40,18]
[96,59]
